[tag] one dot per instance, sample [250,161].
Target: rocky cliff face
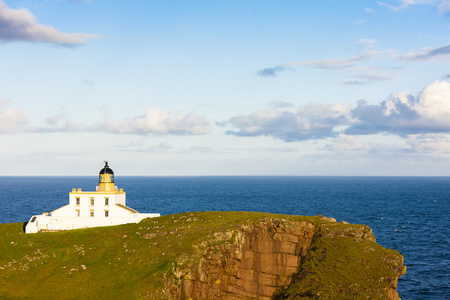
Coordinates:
[286,259]
[252,262]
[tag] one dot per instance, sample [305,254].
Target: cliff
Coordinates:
[207,255]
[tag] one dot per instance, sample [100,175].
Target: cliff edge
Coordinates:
[204,255]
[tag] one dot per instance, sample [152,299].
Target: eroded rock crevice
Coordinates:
[252,262]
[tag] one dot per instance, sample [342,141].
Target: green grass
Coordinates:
[341,265]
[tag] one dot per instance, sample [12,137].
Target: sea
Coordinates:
[409,214]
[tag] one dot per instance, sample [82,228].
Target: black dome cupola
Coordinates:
[106,178]
[104,171]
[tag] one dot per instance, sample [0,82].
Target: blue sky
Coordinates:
[225,87]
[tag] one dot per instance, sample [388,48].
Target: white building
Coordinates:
[104,207]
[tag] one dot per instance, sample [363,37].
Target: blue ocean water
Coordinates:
[409,214]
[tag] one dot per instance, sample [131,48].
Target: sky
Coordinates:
[179,88]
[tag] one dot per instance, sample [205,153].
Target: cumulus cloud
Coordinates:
[21,25]
[13,120]
[434,143]
[155,121]
[307,122]
[404,114]
[346,143]
[401,114]
[158,121]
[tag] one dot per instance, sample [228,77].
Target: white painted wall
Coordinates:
[43,222]
[98,208]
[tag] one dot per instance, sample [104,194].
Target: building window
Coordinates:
[92,201]
[106,201]
[92,213]
[106,213]
[77,201]
[78,213]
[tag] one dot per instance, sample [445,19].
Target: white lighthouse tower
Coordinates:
[104,207]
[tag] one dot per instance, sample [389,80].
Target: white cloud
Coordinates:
[21,25]
[158,121]
[378,143]
[401,114]
[404,114]
[13,120]
[434,103]
[436,144]
[344,142]
[304,123]
[350,143]
[155,121]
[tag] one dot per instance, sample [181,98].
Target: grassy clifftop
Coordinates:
[142,260]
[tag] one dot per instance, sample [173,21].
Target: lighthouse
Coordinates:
[106,179]
[106,206]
